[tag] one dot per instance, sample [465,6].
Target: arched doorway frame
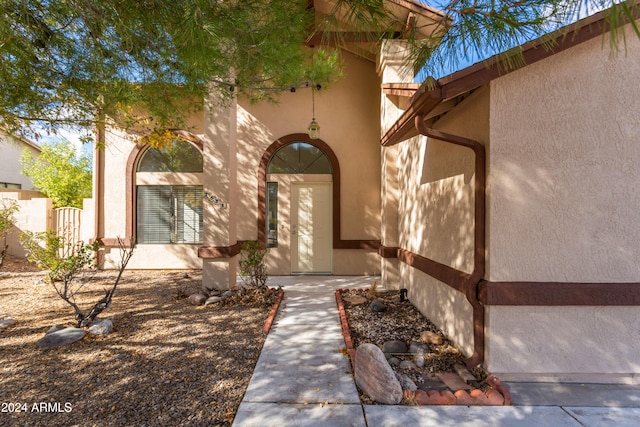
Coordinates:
[262,181]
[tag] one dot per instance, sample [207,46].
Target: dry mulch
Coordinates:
[403,321]
[165,363]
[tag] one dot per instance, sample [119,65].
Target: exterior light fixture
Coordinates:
[314,127]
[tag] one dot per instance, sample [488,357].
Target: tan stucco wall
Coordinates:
[347,112]
[436,214]
[563,206]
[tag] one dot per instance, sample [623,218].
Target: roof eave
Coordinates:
[432,92]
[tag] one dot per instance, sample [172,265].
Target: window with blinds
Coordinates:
[169,214]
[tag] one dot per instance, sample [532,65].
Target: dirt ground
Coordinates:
[165,363]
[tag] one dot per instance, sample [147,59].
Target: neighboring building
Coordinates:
[11,148]
[512,221]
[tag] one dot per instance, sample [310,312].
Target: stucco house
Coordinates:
[11,148]
[504,201]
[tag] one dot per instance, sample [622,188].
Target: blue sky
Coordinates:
[586,8]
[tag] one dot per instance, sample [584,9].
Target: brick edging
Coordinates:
[272,314]
[498,395]
[346,333]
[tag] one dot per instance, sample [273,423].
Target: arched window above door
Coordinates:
[178,156]
[299,157]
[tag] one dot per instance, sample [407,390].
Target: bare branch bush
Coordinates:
[64,261]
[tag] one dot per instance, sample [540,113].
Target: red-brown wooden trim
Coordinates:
[338,243]
[559,293]
[388,251]
[213,252]
[450,276]
[529,293]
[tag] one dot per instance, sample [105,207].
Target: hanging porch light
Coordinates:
[314,127]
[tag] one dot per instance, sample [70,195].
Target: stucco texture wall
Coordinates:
[436,214]
[563,207]
[348,114]
[564,161]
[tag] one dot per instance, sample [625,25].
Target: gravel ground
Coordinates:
[165,363]
[402,321]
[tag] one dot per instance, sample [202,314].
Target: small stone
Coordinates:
[418,348]
[394,346]
[394,361]
[406,382]
[55,328]
[355,299]
[375,377]
[101,327]
[407,364]
[212,300]
[62,337]
[378,306]
[5,323]
[429,337]
[419,361]
[227,294]
[197,299]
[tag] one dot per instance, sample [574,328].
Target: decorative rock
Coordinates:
[5,323]
[419,361]
[378,306]
[101,326]
[407,364]
[394,361]
[197,299]
[355,299]
[212,300]
[62,337]
[55,328]
[394,346]
[227,294]
[406,382]
[375,377]
[429,337]
[418,348]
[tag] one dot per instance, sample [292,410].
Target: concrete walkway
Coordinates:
[303,379]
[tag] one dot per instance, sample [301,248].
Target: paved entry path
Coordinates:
[303,379]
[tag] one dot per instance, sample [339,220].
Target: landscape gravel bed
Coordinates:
[165,363]
[402,321]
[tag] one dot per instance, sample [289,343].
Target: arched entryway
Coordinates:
[298,201]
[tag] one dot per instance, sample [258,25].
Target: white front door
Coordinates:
[311,228]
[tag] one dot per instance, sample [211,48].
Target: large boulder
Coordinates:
[375,377]
[62,337]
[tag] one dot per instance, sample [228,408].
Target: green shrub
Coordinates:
[253,269]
